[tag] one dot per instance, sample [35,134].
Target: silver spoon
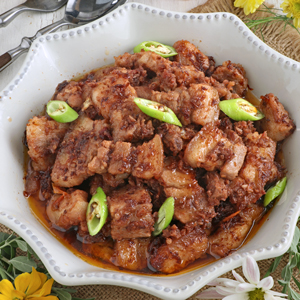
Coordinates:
[78,12]
[31,5]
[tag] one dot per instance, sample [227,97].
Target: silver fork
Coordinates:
[31,5]
[78,12]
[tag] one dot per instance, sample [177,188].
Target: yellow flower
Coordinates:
[249,6]
[292,9]
[27,286]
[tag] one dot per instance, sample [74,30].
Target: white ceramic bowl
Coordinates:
[60,56]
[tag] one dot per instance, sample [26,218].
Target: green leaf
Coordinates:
[297,282]
[22,245]
[3,236]
[23,264]
[295,241]
[295,295]
[273,266]
[293,261]
[62,295]
[286,273]
[2,273]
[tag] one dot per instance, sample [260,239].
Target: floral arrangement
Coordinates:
[289,14]
[24,277]
[256,289]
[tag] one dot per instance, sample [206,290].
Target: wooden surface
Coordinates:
[27,23]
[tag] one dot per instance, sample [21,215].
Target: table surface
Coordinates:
[27,23]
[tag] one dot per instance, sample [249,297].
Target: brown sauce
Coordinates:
[85,252]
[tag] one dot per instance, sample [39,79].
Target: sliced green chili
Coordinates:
[165,215]
[275,191]
[240,110]
[157,111]
[61,112]
[158,48]
[97,212]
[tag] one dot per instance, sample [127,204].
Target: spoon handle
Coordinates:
[9,15]
[10,56]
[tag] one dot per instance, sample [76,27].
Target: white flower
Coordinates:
[228,289]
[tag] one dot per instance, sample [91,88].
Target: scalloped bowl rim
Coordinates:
[151,284]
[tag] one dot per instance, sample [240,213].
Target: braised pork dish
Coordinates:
[216,169]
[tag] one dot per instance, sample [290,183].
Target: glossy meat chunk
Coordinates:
[189,55]
[248,187]
[234,73]
[43,137]
[190,199]
[217,188]
[77,150]
[277,121]
[68,208]
[177,252]
[149,161]
[231,234]
[131,254]
[209,149]
[232,166]
[131,212]
[199,104]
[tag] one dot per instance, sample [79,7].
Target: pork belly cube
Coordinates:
[232,72]
[217,188]
[77,150]
[100,162]
[204,100]
[68,208]
[131,212]
[175,253]
[171,137]
[149,161]
[43,137]
[114,92]
[232,166]
[189,55]
[131,254]
[208,149]
[277,121]
[191,205]
[248,187]
[70,92]
[121,157]
[180,182]
[130,128]
[232,233]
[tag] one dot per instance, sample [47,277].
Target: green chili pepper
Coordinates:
[157,111]
[61,112]
[97,212]
[240,110]
[158,48]
[275,191]
[165,215]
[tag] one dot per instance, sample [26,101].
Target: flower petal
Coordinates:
[210,293]
[18,295]
[268,297]
[243,296]
[266,283]
[22,282]
[245,287]
[2,297]
[276,293]
[43,278]
[46,289]
[43,298]
[6,287]
[251,270]
[35,282]
[225,290]
[223,282]
[238,277]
